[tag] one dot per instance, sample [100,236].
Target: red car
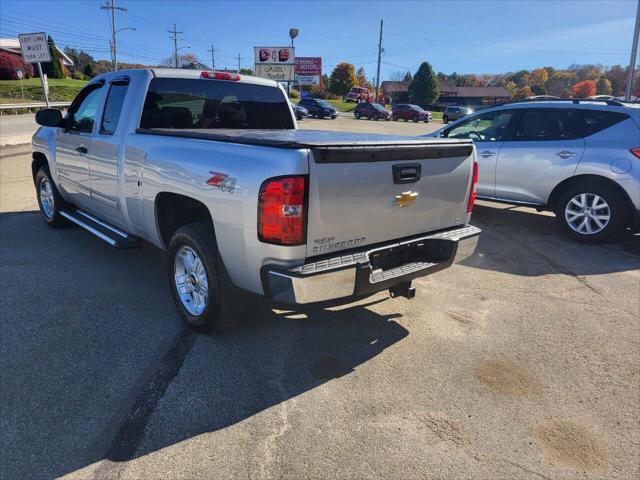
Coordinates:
[406,111]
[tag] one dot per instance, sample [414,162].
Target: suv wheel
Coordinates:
[49,200]
[445,119]
[357,115]
[590,212]
[416,119]
[395,117]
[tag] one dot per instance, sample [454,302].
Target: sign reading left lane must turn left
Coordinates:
[34,47]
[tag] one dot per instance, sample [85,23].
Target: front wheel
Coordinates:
[49,200]
[357,115]
[395,118]
[590,212]
[416,119]
[445,120]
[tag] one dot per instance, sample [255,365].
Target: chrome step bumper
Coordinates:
[358,274]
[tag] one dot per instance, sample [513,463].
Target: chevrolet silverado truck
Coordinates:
[211,167]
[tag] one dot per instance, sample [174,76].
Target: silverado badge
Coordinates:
[406,199]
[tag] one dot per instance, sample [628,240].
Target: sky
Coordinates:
[454,36]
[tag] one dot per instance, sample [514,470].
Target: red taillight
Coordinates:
[281,211]
[220,76]
[472,195]
[635,151]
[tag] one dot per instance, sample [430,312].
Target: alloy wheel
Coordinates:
[47,200]
[191,280]
[587,213]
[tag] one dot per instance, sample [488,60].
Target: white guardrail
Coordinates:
[16,106]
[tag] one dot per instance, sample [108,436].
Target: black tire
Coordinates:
[445,120]
[357,115]
[616,209]
[225,302]
[53,219]
[395,118]
[416,119]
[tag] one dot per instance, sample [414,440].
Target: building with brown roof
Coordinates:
[450,94]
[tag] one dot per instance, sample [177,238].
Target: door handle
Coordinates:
[82,150]
[487,154]
[565,154]
[406,173]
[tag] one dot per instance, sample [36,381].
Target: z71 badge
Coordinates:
[222,181]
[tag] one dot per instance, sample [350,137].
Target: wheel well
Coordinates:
[562,186]
[38,161]
[174,211]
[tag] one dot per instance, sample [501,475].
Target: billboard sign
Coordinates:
[34,47]
[279,73]
[308,70]
[274,55]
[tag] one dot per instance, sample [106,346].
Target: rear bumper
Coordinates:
[354,275]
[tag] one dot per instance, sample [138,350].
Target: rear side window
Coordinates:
[183,103]
[546,124]
[113,107]
[595,121]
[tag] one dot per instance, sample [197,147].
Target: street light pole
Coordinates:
[379,55]
[111,6]
[293,33]
[634,54]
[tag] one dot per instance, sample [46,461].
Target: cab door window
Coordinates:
[83,114]
[488,127]
[546,125]
[113,107]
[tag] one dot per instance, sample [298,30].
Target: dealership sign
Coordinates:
[34,47]
[275,63]
[308,70]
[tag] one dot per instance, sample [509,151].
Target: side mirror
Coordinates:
[49,117]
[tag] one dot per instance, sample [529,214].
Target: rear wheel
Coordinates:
[591,212]
[202,292]
[49,200]
[445,120]
[395,118]
[357,115]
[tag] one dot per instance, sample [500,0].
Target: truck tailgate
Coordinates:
[367,194]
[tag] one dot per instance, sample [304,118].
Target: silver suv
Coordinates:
[578,158]
[455,113]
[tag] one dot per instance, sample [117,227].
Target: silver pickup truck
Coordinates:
[211,167]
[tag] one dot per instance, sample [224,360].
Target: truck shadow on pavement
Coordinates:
[96,363]
[528,243]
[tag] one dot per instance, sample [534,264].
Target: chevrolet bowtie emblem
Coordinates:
[406,199]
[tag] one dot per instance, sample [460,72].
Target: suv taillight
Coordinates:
[635,151]
[472,195]
[282,210]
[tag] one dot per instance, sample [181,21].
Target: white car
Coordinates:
[578,158]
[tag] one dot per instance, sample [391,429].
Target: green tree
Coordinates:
[343,78]
[246,71]
[603,86]
[424,88]
[53,69]
[88,70]
[407,77]
[326,81]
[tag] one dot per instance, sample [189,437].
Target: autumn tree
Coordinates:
[559,84]
[9,65]
[584,89]
[603,86]
[617,75]
[511,87]
[523,92]
[342,78]
[538,77]
[424,88]
[361,78]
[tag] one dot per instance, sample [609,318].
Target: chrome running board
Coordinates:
[104,231]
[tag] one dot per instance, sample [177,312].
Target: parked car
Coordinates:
[356,94]
[406,111]
[210,166]
[371,110]
[579,159]
[299,111]
[451,114]
[319,108]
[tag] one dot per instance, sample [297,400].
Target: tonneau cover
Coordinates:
[301,138]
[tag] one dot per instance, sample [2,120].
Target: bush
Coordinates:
[293,93]
[8,65]
[78,76]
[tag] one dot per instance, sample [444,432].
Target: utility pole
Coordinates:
[239,58]
[213,60]
[112,6]
[174,36]
[379,56]
[634,54]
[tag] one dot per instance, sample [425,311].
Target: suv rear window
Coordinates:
[184,103]
[595,121]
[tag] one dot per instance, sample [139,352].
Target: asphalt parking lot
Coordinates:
[523,362]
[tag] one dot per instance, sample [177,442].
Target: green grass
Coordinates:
[60,90]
